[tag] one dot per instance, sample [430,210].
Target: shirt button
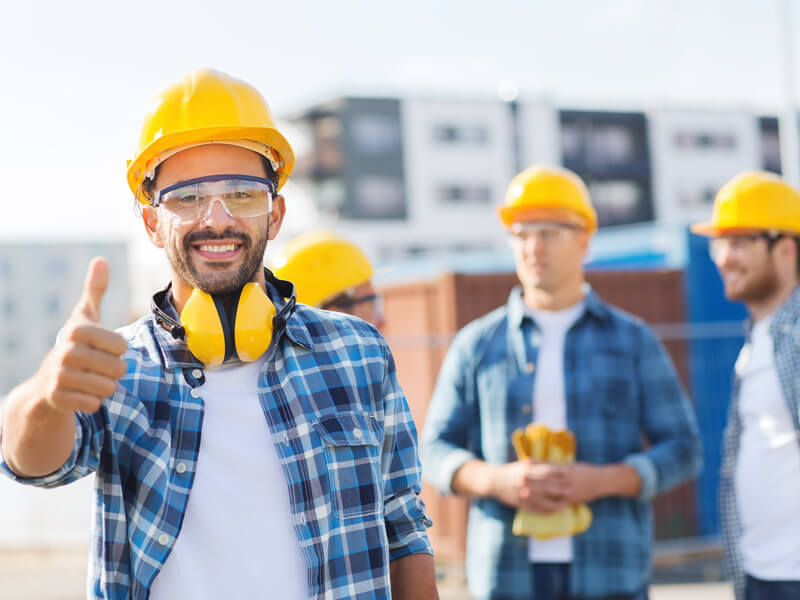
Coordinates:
[358,434]
[527,409]
[180,468]
[163,539]
[197,373]
[530,367]
[195,393]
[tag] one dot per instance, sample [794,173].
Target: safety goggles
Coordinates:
[547,232]
[241,196]
[738,243]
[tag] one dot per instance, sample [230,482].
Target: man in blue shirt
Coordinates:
[755,238]
[243,446]
[558,355]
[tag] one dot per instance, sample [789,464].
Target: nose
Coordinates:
[217,216]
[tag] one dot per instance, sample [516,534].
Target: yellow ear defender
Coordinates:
[218,327]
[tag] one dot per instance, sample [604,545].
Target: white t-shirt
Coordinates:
[550,404]
[768,466]
[237,538]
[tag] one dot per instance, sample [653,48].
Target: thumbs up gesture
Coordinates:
[85,364]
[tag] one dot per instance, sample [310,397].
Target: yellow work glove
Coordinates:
[537,442]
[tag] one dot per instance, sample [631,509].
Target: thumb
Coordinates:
[94,286]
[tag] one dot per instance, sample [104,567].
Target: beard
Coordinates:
[218,279]
[761,284]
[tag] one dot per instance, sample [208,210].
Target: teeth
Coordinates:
[218,247]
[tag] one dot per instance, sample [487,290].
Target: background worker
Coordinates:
[755,232]
[558,355]
[243,446]
[330,272]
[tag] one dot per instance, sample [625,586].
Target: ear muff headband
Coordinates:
[215,332]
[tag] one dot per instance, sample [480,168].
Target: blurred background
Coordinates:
[408,119]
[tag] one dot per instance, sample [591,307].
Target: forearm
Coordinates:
[413,577]
[616,480]
[37,438]
[474,478]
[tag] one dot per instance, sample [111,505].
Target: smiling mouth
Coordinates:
[217,251]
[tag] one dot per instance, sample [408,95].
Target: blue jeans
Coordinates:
[551,582]
[758,589]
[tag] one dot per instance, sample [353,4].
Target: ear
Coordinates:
[276,216]
[150,221]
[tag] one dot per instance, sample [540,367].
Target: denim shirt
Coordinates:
[339,422]
[619,386]
[785,334]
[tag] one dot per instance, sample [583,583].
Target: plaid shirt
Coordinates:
[619,384]
[341,427]
[785,333]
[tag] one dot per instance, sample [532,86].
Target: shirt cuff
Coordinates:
[454,460]
[55,478]
[648,475]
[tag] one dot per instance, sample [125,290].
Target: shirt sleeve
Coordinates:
[451,415]
[83,460]
[675,452]
[404,510]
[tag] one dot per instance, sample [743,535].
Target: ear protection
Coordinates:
[218,327]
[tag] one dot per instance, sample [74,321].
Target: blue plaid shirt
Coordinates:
[339,421]
[619,384]
[785,333]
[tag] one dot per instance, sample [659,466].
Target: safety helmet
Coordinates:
[205,107]
[753,200]
[321,265]
[545,193]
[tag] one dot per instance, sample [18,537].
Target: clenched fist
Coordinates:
[85,363]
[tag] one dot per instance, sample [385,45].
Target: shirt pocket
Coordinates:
[352,454]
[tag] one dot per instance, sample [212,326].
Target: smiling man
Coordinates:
[244,446]
[755,236]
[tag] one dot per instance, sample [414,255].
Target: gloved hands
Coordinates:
[540,444]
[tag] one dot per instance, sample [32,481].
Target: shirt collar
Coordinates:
[516,305]
[173,348]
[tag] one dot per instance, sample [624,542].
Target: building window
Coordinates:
[619,201]
[7,306]
[704,140]
[52,305]
[770,144]
[55,267]
[378,197]
[375,134]
[696,198]
[464,194]
[449,133]
[5,269]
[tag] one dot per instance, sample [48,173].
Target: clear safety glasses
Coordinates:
[543,231]
[738,243]
[241,196]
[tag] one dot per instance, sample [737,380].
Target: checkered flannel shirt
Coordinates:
[619,385]
[785,333]
[341,427]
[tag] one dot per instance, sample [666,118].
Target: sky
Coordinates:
[77,76]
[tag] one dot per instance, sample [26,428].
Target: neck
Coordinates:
[540,299]
[182,290]
[761,309]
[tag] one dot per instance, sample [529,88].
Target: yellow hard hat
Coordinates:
[544,193]
[321,265]
[753,200]
[208,106]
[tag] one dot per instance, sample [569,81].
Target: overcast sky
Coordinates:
[77,76]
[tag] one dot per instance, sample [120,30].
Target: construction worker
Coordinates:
[332,273]
[755,232]
[243,446]
[559,356]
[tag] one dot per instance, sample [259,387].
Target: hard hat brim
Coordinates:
[138,168]
[515,214]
